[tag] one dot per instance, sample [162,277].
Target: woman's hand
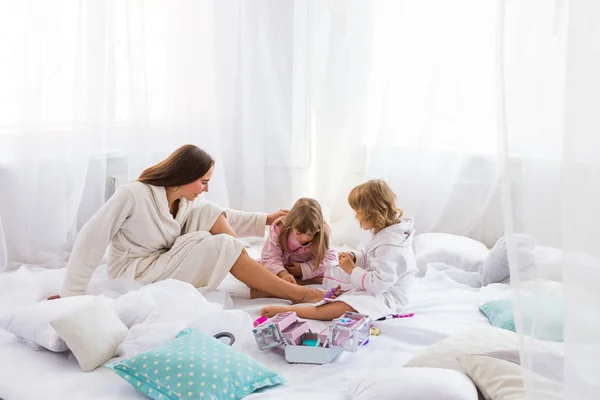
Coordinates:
[294,269]
[277,214]
[286,276]
[346,263]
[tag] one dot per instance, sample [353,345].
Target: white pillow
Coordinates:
[458,251]
[415,384]
[548,264]
[93,333]
[503,380]
[445,353]
[496,268]
[32,323]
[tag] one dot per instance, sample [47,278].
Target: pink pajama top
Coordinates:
[275,258]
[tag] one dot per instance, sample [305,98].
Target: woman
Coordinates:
[156,229]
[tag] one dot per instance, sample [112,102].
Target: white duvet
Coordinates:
[442,307]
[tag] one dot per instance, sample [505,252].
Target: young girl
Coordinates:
[381,276]
[298,247]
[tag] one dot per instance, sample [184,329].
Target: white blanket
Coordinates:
[441,308]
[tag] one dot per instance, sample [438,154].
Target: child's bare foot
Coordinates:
[259,294]
[271,311]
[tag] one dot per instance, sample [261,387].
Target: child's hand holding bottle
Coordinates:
[347,262]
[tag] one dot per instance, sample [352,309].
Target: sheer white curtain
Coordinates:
[404,91]
[3,250]
[292,99]
[94,90]
[549,57]
[436,112]
[339,40]
[264,145]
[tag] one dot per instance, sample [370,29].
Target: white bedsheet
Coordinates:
[442,307]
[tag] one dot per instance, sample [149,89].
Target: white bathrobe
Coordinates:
[384,275]
[147,244]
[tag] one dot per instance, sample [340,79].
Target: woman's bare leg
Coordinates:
[256,276]
[259,294]
[326,312]
[222,226]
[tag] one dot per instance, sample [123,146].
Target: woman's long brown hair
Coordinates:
[306,216]
[185,165]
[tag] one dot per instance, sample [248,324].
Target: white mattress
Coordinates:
[441,308]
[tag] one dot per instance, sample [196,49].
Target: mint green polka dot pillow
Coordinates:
[543,317]
[195,366]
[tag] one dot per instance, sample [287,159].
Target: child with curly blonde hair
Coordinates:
[380,277]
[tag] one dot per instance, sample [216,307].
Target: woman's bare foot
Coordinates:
[311,296]
[271,311]
[259,294]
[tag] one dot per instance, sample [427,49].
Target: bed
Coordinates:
[442,308]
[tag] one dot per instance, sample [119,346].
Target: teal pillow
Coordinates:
[195,366]
[543,318]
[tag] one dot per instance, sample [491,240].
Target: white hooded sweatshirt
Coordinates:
[384,274]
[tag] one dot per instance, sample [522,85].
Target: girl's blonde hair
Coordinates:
[376,201]
[306,216]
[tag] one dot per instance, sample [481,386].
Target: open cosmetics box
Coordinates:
[301,345]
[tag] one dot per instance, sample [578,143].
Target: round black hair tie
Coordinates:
[227,335]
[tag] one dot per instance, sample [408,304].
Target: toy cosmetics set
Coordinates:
[301,345]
